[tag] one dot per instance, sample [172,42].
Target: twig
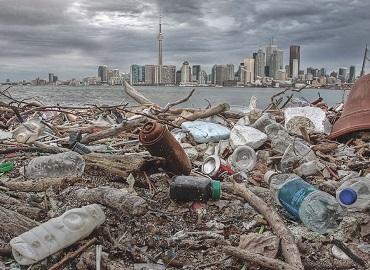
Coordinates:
[73,255]
[258,259]
[349,252]
[169,105]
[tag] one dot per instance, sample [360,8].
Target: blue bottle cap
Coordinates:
[348,196]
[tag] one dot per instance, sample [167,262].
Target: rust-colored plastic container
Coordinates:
[159,141]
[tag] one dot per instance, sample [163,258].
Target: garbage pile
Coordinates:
[150,187]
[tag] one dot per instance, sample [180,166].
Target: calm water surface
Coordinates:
[113,95]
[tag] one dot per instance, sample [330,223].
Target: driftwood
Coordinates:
[205,113]
[124,202]
[170,105]
[13,224]
[38,185]
[122,165]
[23,208]
[113,131]
[258,259]
[135,95]
[289,247]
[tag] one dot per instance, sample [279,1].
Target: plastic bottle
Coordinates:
[190,188]
[55,166]
[354,194]
[316,209]
[29,131]
[56,234]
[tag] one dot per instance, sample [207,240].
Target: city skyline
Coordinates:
[74,37]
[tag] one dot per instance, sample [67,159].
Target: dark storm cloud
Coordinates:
[72,37]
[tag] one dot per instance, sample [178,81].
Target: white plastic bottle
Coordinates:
[56,234]
[316,209]
[55,166]
[354,194]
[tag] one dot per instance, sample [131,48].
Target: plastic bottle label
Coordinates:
[292,194]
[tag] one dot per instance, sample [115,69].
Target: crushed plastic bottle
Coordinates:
[296,154]
[316,209]
[56,234]
[55,166]
[190,188]
[29,131]
[354,194]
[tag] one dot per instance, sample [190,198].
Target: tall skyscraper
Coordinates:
[323,72]
[276,63]
[230,74]
[186,73]
[168,74]
[241,73]
[151,74]
[160,40]
[219,74]
[342,75]
[352,74]
[295,54]
[103,73]
[196,72]
[269,51]
[137,74]
[203,77]
[260,63]
[248,70]
[51,78]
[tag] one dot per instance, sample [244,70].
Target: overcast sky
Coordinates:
[72,37]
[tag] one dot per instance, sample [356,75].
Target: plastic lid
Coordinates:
[216,190]
[268,175]
[347,196]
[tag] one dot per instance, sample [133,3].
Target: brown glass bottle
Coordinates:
[159,141]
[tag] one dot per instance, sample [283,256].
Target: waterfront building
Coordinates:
[240,73]
[323,72]
[218,74]
[294,54]
[270,49]
[248,70]
[276,63]
[196,72]
[51,78]
[137,74]
[55,79]
[186,76]
[151,74]
[230,74]
[352,74]
[260,63]
[168,74]
[334,74]
[103,73]
[342,75]
[202,77]
[178,77]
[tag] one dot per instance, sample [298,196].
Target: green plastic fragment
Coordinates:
[6,167]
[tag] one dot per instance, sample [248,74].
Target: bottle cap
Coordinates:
[268,175]
[216,190]
[347,196]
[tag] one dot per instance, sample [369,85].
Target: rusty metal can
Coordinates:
[159,141]
[215,167]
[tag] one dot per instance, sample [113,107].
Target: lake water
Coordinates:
[113,95]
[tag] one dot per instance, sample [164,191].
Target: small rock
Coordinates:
[243,135]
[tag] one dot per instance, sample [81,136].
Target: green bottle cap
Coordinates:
[6,167]
[216,190]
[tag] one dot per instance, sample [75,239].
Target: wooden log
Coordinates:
[204,113]
[13,224]
[124,202]
[113,131]
[135,95]
[39,185]
[13,204]
[258,259]
[289,247]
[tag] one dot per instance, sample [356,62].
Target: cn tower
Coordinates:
[160,39]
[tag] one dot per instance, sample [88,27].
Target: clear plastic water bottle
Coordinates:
[317,210]
[354,194]
[55,166]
